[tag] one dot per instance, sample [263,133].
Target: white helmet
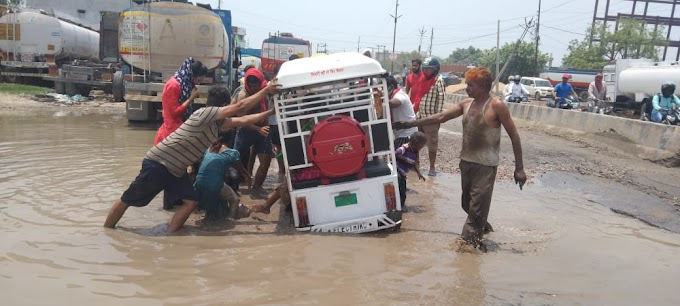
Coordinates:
[511,78]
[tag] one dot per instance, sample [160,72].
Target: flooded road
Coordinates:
[60,173]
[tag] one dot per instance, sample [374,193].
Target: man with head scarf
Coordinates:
[256,135]
[597,92]
[178,95]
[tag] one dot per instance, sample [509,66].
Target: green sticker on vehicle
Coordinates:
[345,199]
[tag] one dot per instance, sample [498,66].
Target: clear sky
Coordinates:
[456,23]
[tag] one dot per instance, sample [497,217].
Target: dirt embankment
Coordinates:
[97,103]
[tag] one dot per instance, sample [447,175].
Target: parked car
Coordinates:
[450,79]
[538,88]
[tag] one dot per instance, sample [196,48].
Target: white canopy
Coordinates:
[329,68]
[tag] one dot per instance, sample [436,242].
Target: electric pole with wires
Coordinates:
[527,26]
[394,36]
[422,34]
[538,24]
[431,39]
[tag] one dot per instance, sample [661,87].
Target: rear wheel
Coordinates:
[537,96]
[117,87]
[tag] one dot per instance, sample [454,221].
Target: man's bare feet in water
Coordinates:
[262,209]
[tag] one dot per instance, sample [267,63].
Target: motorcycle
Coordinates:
[672,118]
[600,106]
[565,103]
[516,99]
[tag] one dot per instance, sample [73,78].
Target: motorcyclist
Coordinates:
[515,90]
[665,102]
[597,93]
[562,93]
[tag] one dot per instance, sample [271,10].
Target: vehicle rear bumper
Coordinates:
[363,225]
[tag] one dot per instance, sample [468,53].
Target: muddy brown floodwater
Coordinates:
[554,244]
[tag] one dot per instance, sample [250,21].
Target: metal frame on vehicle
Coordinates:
[315,93]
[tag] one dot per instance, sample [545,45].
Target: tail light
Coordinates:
[390,197]
[303,215]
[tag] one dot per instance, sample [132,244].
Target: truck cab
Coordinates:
[337,142]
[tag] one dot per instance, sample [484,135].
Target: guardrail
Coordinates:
[658,140]
[663,140]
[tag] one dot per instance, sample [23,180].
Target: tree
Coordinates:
[469,55]
[631,39]
[522,62]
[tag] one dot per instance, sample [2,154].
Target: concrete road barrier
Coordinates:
[664,139]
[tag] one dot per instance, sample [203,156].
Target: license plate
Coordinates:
[350,228]
[345,199]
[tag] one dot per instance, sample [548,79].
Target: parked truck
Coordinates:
[579,79]
[141,47]
[33,42]
[632,82]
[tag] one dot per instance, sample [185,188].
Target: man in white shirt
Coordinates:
[516,91]
[401,109]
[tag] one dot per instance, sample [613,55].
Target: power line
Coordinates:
[476,37]
[561,30]
[556,6]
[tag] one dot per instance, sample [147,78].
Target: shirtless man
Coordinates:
[483,117]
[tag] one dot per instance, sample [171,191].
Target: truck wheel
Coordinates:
[537,96]
[117,87]
[11,78]
[59,87]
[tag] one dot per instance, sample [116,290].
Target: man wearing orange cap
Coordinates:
[563,91]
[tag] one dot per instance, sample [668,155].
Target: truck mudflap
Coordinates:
[363,225]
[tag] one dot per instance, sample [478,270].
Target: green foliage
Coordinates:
[469,55]
[632,39]
[522,62]
[20,88]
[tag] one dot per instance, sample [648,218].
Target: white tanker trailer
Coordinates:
[31,41]
[146,44]
[630,82]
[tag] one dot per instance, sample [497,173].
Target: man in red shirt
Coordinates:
[412,78]
[178,94]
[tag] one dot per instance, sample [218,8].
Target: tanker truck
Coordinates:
[632,82]
[32,43]
[141,47]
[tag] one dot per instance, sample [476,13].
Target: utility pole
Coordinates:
[498,54]
[538,24]
[422,33]
[358,43]
[394,36]
[219,4]
[431,39]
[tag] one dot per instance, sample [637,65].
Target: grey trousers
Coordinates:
[477,183]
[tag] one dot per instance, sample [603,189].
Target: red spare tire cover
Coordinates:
[338,146]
